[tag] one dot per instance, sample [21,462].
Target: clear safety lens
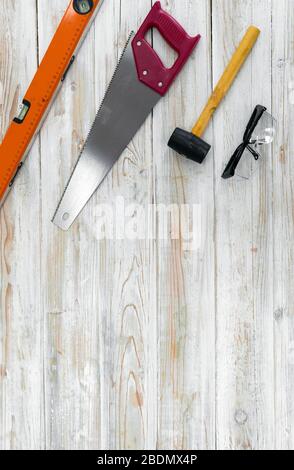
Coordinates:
[250,155]
[248,165]
[265,130]
[263,135]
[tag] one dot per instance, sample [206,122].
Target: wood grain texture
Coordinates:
[227,79]
[21,352]
[143,344]
[185,286]
[244,387]
[283,107]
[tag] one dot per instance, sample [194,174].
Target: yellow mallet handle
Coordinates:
[227,79]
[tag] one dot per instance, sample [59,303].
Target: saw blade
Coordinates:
[126,105]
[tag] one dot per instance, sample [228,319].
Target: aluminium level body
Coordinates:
[43,89]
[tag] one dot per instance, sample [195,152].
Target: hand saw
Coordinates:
[139,82]
[43,89]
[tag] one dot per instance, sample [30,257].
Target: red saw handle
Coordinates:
[150,68]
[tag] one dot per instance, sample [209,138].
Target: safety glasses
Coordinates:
[260,131]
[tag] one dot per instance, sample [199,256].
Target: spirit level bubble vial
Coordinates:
[43,89]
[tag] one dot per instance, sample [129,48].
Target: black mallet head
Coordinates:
[187,144]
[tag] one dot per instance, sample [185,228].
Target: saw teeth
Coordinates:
[97,114]
[108,88]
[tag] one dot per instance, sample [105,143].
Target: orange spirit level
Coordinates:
[44,87]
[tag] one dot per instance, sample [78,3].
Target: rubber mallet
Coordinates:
[190,144]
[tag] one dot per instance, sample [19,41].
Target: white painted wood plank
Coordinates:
[243,242]
[128,348]
[21,323]
[185,280]
[283,224]
[262,242]
[70,281]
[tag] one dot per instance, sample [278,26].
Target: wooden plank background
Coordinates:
[140,344]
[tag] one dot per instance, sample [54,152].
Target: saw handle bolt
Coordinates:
[159,78]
